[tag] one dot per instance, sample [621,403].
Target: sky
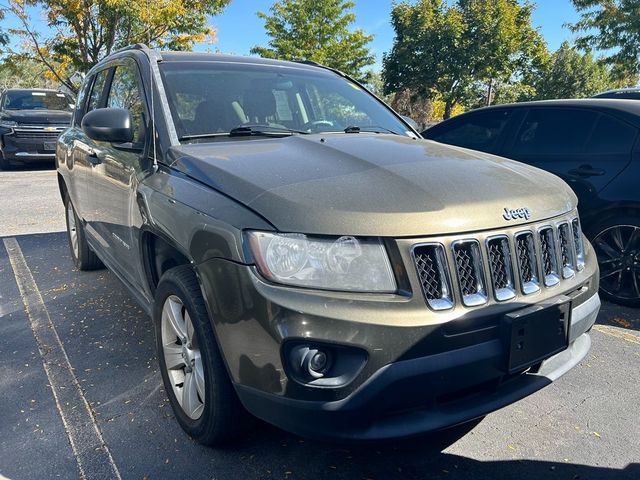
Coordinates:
[239,28]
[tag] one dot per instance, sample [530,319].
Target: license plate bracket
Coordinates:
[535,333]
[49,146]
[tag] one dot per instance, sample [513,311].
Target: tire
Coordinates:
[83,257]
[201,395]
[616,242]
[4,163]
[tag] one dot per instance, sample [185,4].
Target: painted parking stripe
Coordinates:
[89,448]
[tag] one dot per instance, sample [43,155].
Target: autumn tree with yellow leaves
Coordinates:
[81,32]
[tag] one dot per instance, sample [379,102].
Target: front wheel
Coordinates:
[617,246]
[83,257]
[195,378]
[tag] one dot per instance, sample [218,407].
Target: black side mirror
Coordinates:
[108,125]
[411,122]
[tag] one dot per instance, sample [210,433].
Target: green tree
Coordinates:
[571,74]
[84,31]
[448,50]
[24,73]
[319,31]
[611,26]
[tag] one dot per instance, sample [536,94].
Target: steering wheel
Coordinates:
[314,124]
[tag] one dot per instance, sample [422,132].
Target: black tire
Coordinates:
[4,163]
[83,257]
[224,418]
[616,242]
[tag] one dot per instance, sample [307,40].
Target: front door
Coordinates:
[116,174]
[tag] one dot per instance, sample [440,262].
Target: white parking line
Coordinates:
[89,448]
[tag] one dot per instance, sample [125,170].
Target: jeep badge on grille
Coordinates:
[513,213]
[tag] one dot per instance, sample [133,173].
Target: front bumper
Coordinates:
[18,150]
[424,394]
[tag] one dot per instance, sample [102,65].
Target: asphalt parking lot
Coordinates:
[70,337]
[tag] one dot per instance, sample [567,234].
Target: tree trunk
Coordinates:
[448,108]
[490,93]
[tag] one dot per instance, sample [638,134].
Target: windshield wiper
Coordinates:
[257,129]
[246,131]
[368,128]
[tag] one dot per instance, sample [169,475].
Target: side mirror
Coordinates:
[411,122]
[108,125]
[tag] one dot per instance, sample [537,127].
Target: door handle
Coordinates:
[92,158]
[586,171]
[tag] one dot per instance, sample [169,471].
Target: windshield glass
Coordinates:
[215,97]
[35,100]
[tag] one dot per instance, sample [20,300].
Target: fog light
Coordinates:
[318,361]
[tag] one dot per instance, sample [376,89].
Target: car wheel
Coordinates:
[83,257]
[4,163]
[617,246]
[194,375]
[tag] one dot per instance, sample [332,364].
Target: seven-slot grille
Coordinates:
[520,263]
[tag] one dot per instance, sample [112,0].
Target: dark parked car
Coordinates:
[30,122]
[593,145]
[308,259]
[632,93]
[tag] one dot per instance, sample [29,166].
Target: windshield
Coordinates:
[36,100]
[215,97]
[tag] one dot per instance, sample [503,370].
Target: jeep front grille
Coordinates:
[431,265]
[470,273]
[520,263]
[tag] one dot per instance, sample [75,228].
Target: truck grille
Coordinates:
[520,263]
[38,133]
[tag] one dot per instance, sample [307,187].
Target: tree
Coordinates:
[22,73]
[318,31]
[84,31]
[611,26]
[447,50]
[572,75]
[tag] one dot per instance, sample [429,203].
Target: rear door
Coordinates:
[585,148]
[116,175]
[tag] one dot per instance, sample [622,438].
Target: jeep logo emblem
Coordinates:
[514,213]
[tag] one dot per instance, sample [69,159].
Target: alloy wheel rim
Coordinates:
[73,230]
[182,358]
[618,252]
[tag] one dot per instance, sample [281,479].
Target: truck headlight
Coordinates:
[330,263]
[6,126]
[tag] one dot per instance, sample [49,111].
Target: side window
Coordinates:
[611,137]
[80,101]
[554,131]
[125,93]
[479,131]
[96,91]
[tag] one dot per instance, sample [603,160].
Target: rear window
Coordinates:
[611,136]
[554,131]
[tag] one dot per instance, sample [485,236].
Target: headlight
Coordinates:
[8,123]
[338,263]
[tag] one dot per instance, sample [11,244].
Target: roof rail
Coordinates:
[143,48]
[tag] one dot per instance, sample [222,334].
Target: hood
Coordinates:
[373,184]
[37,117]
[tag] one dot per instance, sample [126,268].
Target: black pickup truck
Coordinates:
[30,122]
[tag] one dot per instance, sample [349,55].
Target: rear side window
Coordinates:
[611,136]
[479,131]
[554,131]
